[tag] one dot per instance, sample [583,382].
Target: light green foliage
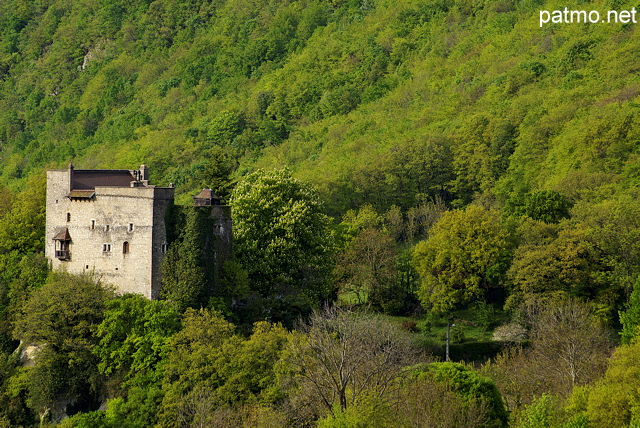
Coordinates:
[281,235]
[189,371]
[554,258]
[630,319]
[465,255]
[133,338]
[13,409]
[544,412]
[614,401]
[246,365]
[23,225]
[208,368]
[369,414]
[614,228]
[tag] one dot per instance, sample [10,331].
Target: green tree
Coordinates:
[630,319]
[422,401]
[61,319]
[548,206]
[190,374]
[216,173]
[186,273]
[367,266]
[341,358]
[614,401]
[554,258]
[210,369]
[134,338]
[472,387]
[281,235]
[464,258]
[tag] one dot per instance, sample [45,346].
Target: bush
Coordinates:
[409,325]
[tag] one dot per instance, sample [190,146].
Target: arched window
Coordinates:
[125,247]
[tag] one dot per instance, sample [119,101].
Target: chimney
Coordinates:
[70,177]
[144,173]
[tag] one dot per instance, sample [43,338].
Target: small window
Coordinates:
[106,228]
[106,248]
[86,267]
[164,248]
[68,217]
[125,247]
[93,224]
[130,227]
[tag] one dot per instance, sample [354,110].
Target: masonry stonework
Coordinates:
[110,223]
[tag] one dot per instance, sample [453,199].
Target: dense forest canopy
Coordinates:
[401,173]
[368,100]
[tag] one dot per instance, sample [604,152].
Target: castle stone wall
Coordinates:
[118,234]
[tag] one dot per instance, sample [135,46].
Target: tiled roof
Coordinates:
[88,179]
[206,194]
[63,235]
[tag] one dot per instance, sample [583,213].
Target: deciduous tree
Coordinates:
[281,235]
[342,357]
[465,256]
[61,318]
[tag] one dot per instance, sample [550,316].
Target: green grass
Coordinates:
[476,344]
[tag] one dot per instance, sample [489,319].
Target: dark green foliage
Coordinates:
[61,319]
[544,205]
[472,386]
[187,269]
[216,173]
[13,408]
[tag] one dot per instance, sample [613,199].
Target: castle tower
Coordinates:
[109,222]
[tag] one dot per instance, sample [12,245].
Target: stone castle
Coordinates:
[112,223]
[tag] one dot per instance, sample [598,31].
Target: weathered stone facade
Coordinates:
[109,222]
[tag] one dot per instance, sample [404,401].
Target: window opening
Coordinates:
[125,247]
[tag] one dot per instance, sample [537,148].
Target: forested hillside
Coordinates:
[369,101]
[401,173]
